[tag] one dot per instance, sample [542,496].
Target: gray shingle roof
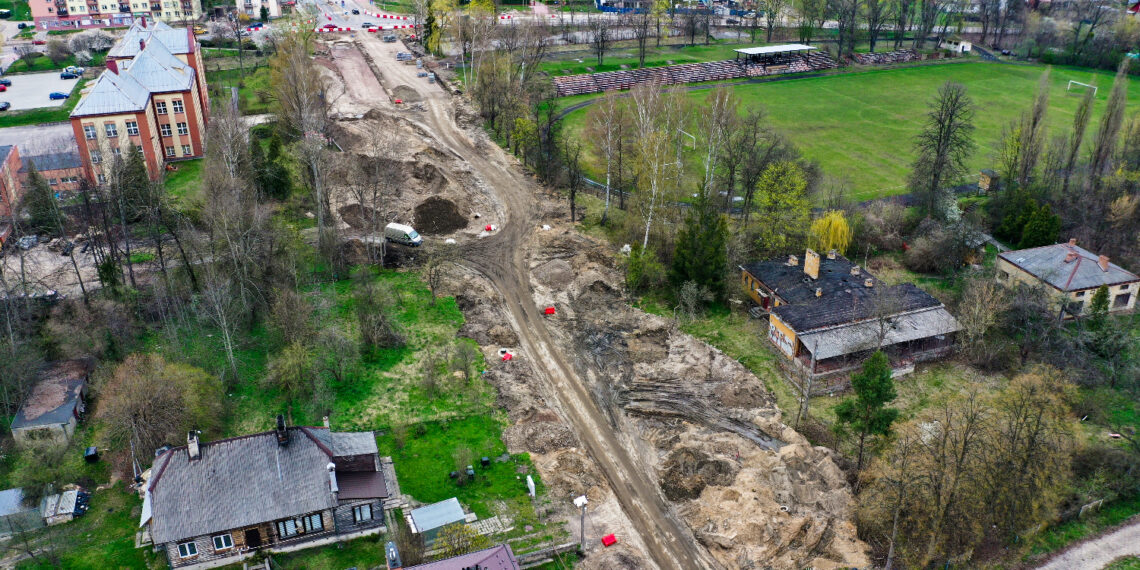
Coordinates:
[1082,271]
[113,93]
[438,514]
[53,161]
[352,443]
[498,557]
[838,341]
[12,502]
[54,398]
[238,482]
[160,71]
[176,40]
[4,152]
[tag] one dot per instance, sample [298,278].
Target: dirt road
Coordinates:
[502,258]
[1097,553]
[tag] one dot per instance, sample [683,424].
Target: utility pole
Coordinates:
[580,502]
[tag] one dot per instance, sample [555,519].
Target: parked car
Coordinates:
[5,14]
[21,25]
[39,42]
[400,233]
[3,88]
[57,95]
[68,75]
[355,12]
[4,105]
[199,30]
[731,22]
[390,38]
[367,25]
[329,26]
[6,82]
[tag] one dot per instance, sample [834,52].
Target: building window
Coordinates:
[287,528]
[1002,275]
[293,527]
[53,181]
[1121,300]
[169,151]
[183,129]
[187,549]
[112,130]
[96,157]
[223,541]
[161,106]
[313,523]
[89,132]
[132,128]
[117,151]
[164,129]
[1080,294]
[1124,287]
[361,513]
[186,150]
[177,105]
[102,179]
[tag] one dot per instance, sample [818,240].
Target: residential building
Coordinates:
[214,504]
[1071,274]
[498,557]
[429,520]
[52,409]
[62,170]
[148,96]
[252,8]
[10,189]
[84,14]
[829,315]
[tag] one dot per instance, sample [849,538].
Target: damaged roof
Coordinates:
[1054,265]
[243,481]
[864,335]
[56,396]
[498,557]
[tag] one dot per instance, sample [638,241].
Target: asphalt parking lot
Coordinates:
[30,90]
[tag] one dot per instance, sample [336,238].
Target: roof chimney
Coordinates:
[1072,241]
[1069,257]
[793,261]
[113,66]
[192,445]
[332,478]
[855,270]
[818,292]
[1103,262]
[811,263]
[868,282]
[282,433]
[831,253]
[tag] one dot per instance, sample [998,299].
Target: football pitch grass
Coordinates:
[860,126]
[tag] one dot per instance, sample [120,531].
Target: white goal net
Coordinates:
[1081,87]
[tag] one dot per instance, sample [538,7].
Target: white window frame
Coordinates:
[309,527]
[186,150]
[288,528]
[165,130]
[101,178]
[183,128]
[96,157]
[227,541]
[132,128]
[358,513]
[169,151]
[184,549]
[90,132]
[178,107]
[112,130]
[117,151]
[160,106]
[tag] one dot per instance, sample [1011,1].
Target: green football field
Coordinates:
[860,126]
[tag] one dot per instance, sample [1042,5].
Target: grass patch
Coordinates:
[1060,536]
[44,115]
[569,64]
[1125,563]
[142,257]
[861,125]
[253,89]
[21,10]
[183,185]
[367,552]
[44,63]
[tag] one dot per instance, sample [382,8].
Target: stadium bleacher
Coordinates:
[888,57]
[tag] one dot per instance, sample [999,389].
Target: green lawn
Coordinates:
[252,90]
[861,126]
[21,11]
[43,115]
[1125,563]
[44,63]
[568,64]
[183,185]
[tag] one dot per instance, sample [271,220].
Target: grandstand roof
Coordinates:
[782,48]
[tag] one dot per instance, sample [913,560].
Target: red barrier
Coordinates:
[508,356]
[549,311]
[609,540]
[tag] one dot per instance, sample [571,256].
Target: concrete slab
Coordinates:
[30,90]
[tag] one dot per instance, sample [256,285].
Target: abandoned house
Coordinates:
[498,557]
[828,315]
[1071,273]
[214,503]
[52,409]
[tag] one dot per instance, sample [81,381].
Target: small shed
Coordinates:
[988,179]
[956,45]
[15,515]
[59,508]
[52,409]
[430,519]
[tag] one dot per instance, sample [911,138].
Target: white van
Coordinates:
[400,233]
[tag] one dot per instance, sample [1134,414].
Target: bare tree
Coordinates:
[847,18]
[439,259]
[904,16]
[656,119]
[605,123]
[773,12]
[601,36]
[943,146]
[878,13]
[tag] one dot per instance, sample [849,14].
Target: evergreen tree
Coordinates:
[1041,228]
[701,255]
[39,201]
[867,413]
[1098,309]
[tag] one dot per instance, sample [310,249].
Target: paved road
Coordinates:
[33,139]
[1097,553]
[502,258]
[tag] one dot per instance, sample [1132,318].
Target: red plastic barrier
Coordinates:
[508,356]
[399,101]
[609,540]
[549,310]
[489,227]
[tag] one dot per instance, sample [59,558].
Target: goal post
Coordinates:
[1085,85]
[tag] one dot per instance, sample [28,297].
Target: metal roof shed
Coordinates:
[769,50]
[428,520]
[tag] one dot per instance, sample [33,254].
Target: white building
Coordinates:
[252,8]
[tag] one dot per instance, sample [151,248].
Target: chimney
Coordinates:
[113,66]
[1103,262]
[143,22]
[811,263]
[1072,241]
[818,292]
[868,282]
[142,44]
[332,479]
[282,432]
[855,270]
[192,445]
[1069,257]
[793,261]
[831,253]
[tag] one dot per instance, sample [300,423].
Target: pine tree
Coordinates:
[1041,228]
[1098,309]
[867,413]
[39,201]
[701,255]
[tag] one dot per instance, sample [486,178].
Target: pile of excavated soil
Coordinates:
[406,94]
[687,471]
[438,216]
[357,216]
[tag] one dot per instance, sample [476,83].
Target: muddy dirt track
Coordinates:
[502,259]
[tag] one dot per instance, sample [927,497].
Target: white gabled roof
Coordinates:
[177,40]
[782,48]
[160,71]
[113,94]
